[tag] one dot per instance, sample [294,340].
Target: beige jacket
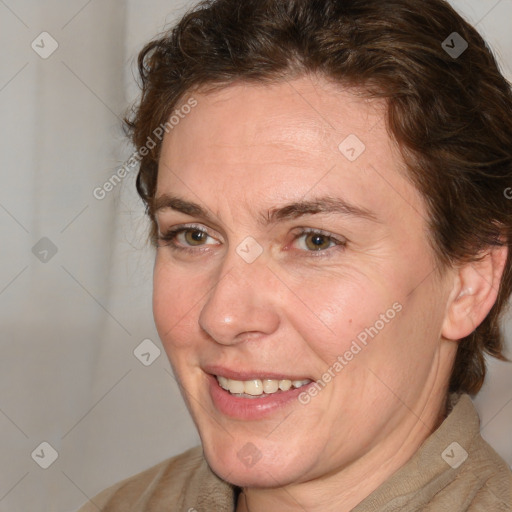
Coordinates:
[437,478]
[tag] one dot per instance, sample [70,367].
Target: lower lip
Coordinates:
[251,408]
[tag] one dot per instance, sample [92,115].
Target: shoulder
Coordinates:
[480,480]
[164,481]
[490,478]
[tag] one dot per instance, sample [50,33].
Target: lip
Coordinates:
[250,374]
[251,408]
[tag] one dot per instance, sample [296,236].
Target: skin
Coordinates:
[245,150]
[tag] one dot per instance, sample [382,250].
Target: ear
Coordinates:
[474,292]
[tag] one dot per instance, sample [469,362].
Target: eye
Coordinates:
[193,237]
[186,238]
[317,241]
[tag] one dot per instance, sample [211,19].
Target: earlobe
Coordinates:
[474,293]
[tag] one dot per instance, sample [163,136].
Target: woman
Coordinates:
[325,181]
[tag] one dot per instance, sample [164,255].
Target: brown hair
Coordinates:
[450,114]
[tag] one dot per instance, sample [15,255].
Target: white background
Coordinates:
[69,326]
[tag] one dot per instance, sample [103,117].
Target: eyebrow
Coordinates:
[166,201]
[326,205]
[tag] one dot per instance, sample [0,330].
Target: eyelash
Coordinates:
[168,239]
[339,243]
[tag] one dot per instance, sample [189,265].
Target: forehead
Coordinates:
[269,144]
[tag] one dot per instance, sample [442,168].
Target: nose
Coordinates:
[240,305]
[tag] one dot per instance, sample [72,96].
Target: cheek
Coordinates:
[176,300]
[342,308]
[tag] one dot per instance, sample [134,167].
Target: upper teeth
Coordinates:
[259,386]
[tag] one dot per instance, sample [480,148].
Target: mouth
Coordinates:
[259,388]
[253,395]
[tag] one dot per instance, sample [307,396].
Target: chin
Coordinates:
[248,467]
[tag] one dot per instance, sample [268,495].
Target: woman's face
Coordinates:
[294,253]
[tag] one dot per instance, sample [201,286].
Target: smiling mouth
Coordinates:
[257,388]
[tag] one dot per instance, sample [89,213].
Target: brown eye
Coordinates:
[317,242]
[188,238]
[195,237]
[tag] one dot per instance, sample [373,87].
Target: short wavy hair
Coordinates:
[449,114]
